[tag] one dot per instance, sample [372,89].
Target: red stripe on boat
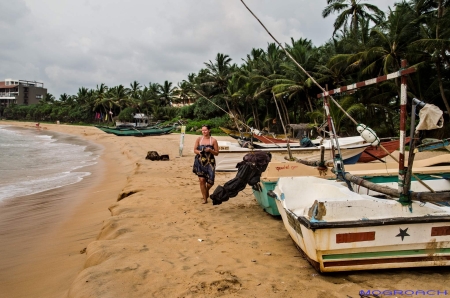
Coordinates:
[355,237]
[440,231]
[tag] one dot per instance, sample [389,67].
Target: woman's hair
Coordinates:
[208,127]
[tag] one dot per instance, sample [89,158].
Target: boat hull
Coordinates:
[372,234]
[149,131]
[231,154]
[373,153]
[261,195]
[432,171]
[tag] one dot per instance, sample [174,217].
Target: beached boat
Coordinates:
[237,134]
[433,173]
[377,153]
[233,153]
[273,140]
[340,230]
[344,141]
[137,132]
[247,135]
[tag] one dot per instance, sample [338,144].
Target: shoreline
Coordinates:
[159,240]
[64,230]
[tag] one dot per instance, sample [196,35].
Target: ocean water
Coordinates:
[36,160]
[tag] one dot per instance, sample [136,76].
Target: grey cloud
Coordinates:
[74,43]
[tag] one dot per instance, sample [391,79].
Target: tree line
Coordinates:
[267,88]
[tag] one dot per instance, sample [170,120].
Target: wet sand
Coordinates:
[160,241]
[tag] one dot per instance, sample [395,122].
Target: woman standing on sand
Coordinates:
[205,148]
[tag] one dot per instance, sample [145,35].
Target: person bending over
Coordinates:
[205,148]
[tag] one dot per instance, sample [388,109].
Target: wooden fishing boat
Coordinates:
[233,153]
[344,141]
[359,225]
[236,134]
[247,135]
[377,153]
[137,132]
[273,140]
[340,230]
[434,172]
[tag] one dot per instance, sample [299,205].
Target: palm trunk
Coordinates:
[309,102]
[285,111]
[438,64]
[254,112]
[441,86]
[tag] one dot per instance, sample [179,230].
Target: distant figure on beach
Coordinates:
[205,148]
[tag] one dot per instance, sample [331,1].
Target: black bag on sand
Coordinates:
[153,155]
[249,171]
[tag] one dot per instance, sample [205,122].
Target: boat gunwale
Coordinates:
[296,149]
[370,222]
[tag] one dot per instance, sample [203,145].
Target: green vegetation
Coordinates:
[366,43]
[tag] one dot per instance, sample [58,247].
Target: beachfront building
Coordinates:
[21,92]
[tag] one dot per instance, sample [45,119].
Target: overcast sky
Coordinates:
[68,44]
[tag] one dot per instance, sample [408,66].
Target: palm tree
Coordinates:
[119,94]
[104,99]
[266,71]
[134,90]
[350,13]
[184,92]
[219,72]
[47,99]
[295,83]
[434,44]
[166,93]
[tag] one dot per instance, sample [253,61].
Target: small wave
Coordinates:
[34,161]
[34,186]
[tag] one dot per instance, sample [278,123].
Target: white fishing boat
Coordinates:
[327,143]
[433,175]
[232,153]
[340,230]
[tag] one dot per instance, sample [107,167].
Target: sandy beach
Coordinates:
[137,228]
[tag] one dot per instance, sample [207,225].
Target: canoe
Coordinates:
[232,153]
[373,153]
[373,234]
[137,132]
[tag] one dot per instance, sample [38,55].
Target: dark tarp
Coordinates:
[249,172]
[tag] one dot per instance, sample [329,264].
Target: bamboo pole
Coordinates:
[417,196]
[284,128]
